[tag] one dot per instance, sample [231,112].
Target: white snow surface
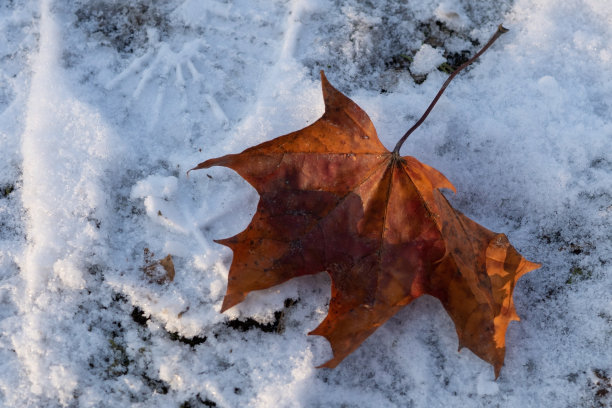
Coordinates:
[105,105]
[427,59]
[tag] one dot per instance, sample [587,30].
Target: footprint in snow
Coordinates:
[161,67]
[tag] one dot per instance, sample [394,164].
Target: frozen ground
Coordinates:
[104,105]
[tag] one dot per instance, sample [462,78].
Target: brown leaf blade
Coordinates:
[333,199]
[159,271]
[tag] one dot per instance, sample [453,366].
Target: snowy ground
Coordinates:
[104,105]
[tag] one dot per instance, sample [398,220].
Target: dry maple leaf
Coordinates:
[334,199]
[159,271]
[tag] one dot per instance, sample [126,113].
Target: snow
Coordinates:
[426,60]
[105,105]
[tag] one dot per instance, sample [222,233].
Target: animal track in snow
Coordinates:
[162,67]
[164,206]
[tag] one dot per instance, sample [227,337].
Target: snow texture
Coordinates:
[105,104]
[426,60]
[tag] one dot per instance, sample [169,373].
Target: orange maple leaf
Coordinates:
[334,199]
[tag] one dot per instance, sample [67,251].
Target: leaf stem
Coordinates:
[500,30]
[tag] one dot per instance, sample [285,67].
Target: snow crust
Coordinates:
[105,105]
[426,60]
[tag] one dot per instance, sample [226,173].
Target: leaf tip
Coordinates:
[497,369]
[530,266]
[525,267]
[231,299]
[198,167]
[332,363]
[327,89]
[224,241]
[314,332]
[333,98]
[322,331]
[226,161]
[513,315]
